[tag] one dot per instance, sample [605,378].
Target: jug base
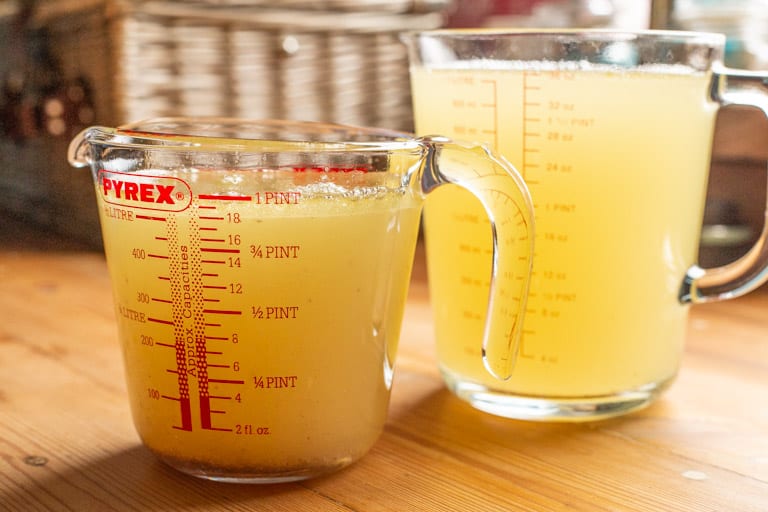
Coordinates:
[253,475]
[553,409]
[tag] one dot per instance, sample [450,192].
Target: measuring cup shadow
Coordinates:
[447,424]
[133,479]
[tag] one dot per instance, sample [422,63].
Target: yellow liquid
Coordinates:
[616,163]
[286,347]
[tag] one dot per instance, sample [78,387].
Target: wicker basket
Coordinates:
[193,58]
[148,59]
[393,6]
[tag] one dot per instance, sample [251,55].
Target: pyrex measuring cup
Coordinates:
[612,133]
[260,271]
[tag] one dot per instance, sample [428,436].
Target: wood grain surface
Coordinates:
[67,442]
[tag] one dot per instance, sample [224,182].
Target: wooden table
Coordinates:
[67,441]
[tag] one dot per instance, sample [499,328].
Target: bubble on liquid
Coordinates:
[332,190]
[233,178]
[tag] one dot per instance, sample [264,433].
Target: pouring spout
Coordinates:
[80,152]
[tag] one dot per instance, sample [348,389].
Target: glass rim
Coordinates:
[713,39]
[200,134]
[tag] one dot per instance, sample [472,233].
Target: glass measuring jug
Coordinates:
[612,132]
[260,272]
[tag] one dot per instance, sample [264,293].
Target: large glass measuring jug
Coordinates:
[612,132]
[260,272]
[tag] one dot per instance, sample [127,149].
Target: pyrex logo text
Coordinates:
[163,193]
[144,192]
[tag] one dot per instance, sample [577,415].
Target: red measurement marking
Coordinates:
[212,240]
[224,198]
[209,275]
[215,262]
[217,338]
[217,365]
[150,217]
[157,256]
[330,169]
[165,344]
[216,354]
[222,312]
[220,397]
[216,411]
[207,207]
[212,300]
[186,415]
[165,301]
[160,321]
[209,229]
[213,325]
[202,217]
[212,287]
[226,381]
[205,410]
[164,278]
[162,238]
[212,249]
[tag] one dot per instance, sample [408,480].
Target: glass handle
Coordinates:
[745,88]
[507,202]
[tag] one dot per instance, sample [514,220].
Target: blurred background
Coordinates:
[68,64]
